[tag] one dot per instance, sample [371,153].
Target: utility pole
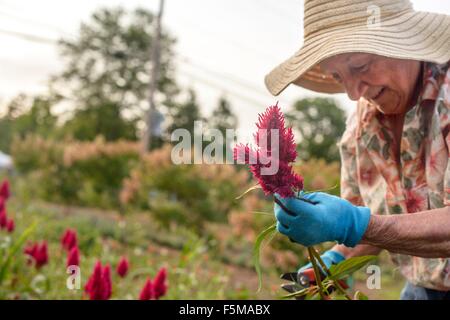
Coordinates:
[153,85]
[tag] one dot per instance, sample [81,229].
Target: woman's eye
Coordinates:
[337,77]
[361,68]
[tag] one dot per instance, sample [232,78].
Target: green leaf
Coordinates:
[264,213]
[349,266]
[248,190]
[296,294]
[14,249]
[360,296]
[323,190]
[257,251]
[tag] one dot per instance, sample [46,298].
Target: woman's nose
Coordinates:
[355,88]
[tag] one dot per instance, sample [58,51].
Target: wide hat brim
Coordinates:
[413,35]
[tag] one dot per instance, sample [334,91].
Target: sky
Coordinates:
[225,47]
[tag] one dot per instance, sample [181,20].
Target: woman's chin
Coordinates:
[390,107]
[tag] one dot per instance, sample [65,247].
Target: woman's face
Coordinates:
[389,83]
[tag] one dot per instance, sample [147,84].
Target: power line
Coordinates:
[35,22]
[229,77]
[29,37]
[209,34]
[198,78]
[210,84]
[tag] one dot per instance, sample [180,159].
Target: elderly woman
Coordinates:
[395,181]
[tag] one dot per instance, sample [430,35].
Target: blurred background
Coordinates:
[75,90]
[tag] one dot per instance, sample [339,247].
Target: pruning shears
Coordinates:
[303,280]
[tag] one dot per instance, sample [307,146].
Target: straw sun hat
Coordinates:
[389,28]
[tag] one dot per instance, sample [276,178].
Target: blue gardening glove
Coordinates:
[329,219]
[329,258]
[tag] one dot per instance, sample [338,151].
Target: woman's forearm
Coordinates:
[422,234]
[359,250]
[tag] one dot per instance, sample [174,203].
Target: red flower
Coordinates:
[284,181]
[155,289]
[10,225]
[107,283]
[69,239]
[3,218]
[122,267]
[73,258]
[2,204]
[4,190]
[147,291]
[38,253]
[99,284]
[160,284]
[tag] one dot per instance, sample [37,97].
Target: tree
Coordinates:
[108,67]
[183,115]
[320,123]
[25,115]
[103,119]
[223,118]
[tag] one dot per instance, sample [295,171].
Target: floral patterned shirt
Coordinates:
[371,177]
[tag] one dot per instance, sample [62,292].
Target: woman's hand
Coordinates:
[329,219]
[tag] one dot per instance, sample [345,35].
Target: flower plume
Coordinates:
[122,267]
[38,253]
[275,148]
[99,285]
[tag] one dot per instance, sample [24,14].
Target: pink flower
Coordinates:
[4,190]
[153,290]
[73,257]
[69,239]
[99,285]
[147,291]
[284,181]
[3,219]
[10,225]
[160,284]
[107,283]
[122,267]
[38,254]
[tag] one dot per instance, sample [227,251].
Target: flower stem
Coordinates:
[317,274]
[324,267]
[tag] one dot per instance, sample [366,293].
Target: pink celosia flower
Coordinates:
[122,267]
[153,290]
[147,291]
[99,285]
[284,181]
[107,283]
[69,239]
[4,190]
[38,254]
[160,284]
[3,218]
[10,225]
[73,257]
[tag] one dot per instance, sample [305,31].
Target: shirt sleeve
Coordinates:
[347,148]
[444,114]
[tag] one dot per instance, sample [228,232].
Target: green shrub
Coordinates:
[185,194]
[71,172]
